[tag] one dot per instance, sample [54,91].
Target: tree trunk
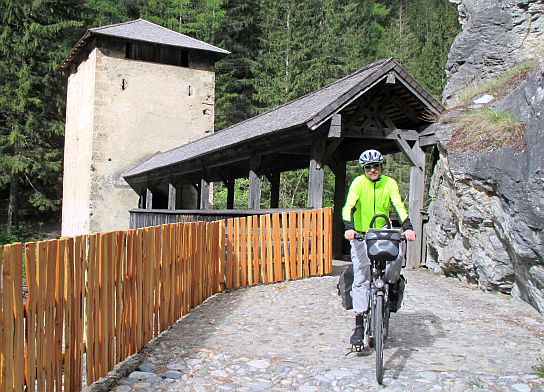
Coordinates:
[13,204]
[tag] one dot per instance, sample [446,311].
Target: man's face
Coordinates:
[373,170]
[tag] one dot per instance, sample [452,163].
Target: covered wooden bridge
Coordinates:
[380,106]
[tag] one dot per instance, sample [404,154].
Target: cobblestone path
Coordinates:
[294,336]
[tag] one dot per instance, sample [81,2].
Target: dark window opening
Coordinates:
[157,54]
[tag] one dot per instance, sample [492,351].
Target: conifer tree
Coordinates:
[34,39]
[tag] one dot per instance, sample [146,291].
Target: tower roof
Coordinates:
[144,31]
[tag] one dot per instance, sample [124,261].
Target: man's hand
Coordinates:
[409,234]
[349,234]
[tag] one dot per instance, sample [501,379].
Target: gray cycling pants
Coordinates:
[361,279]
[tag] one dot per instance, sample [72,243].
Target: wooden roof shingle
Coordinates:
[144,31]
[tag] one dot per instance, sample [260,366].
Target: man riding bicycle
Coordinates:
[370,194]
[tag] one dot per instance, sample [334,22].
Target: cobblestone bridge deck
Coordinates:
[294,336]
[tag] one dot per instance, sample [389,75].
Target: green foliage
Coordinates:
[280,51]
[539,368]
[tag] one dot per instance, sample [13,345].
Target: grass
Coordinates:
[485,129]
[540,368]
[498,87]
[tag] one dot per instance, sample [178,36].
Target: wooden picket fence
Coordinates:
[100,298]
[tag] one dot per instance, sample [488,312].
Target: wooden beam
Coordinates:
[335,129]
[148,199]
[171,196]
[316,175]
[407,150]
[205,194]
[417,186]
[339,199]
[385,134]
[274,179]
[254,198]
[390,78]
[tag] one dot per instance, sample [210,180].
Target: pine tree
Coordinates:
[34,39]
[234,88]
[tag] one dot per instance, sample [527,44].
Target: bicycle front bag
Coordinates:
[382,244]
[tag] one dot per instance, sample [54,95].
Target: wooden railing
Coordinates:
[100,298]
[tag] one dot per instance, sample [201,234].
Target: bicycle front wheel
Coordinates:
[378,337]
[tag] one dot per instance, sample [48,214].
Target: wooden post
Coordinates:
[339,200]
[254,199]
[316,175]
[148,199]
[230,193]
[204,194]
[171,197]
[417,185]
[274,190]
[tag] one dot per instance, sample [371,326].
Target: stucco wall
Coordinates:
[78,142]
[140,108]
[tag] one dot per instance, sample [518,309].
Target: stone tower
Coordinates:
[135,89]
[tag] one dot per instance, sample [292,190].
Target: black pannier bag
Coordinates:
[396,294]
[344,287]
[382,244]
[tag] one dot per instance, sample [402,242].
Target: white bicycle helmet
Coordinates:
[370,156]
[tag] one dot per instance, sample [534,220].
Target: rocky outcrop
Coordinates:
[486,219]
[496,35]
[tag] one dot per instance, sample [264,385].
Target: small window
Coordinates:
[184,58]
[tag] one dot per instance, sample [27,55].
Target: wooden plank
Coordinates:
[262,250]
[320,260]
[3,346]
[118,289]
[314,252]
[157,235]
[31,303]
[236,253]
[18,311]
[165,246]
[103,312]
[268,240]
[243,252]
[69,315]
[59,313]
[250,236]
[41,263]
[255,248]
[49,351]
[172,274]
[8,323]
[230,254]
[316,175]
[292,228]
[284,231]
[327,234]
[276,238]
[306,239]
[221,261]
[139,289]
[300,248]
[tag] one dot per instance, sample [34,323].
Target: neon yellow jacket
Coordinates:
[370,198]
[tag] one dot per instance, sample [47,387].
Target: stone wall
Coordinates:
[139,108]
[486,221]
[496,35]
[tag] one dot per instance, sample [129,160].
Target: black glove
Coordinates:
[407,225]
[348,225]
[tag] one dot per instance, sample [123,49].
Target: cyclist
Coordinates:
[370,194]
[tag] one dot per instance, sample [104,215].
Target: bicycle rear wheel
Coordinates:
[378,337]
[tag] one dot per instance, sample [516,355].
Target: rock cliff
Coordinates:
[486,218]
